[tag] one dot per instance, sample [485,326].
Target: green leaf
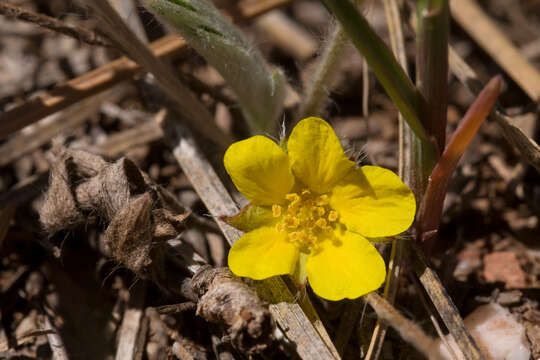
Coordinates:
[260,89]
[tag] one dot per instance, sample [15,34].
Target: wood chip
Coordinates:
[493,40]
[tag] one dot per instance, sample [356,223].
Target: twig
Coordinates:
[82,87]
[526,146]
[74,31]
[186,101]
[50,126]
[432,317]
[177,308]
[4,345]
[127,9]
[117,144]
[287,34]
[486,33]
[157,346]
[55,341]
[129,342]
[303,330]
[250,9]
[104,77]
[444,305]
[408,330]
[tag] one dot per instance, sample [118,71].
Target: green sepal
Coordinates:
[251,217]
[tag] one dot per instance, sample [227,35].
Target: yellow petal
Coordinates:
[251,217]
[346,267]
[374,202]
[260,170]
[263,253]
[316,155]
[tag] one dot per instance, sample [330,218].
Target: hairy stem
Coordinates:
[317,92]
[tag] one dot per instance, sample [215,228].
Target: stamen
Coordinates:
[323,200]
[306,220]
[332,216]
[292,221]
[292,197]
[321,223]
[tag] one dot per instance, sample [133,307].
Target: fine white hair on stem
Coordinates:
[316,96]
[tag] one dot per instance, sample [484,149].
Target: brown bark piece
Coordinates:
[504,266]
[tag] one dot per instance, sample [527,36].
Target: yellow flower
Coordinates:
[313,212]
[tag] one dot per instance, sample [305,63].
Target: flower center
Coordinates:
[307,219]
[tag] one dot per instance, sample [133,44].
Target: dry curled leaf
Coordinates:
[139,215]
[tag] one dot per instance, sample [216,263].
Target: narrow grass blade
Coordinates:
[383,64]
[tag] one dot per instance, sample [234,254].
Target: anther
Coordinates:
[276,210]
[321,223]
[323,200]
[332,216]
[292,221]
[292,197]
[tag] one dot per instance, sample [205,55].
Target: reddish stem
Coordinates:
[431,209]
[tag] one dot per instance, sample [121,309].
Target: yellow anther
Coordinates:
[323,200]
[321,223]
[332,216]
[292,197]
[307,219]
[292,221]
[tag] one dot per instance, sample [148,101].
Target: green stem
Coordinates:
[383,64]
[328,66]
[433,18]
